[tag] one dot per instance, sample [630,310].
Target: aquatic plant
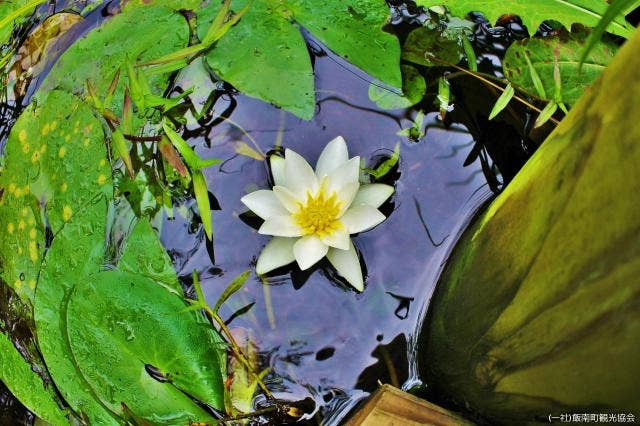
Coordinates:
[312,214]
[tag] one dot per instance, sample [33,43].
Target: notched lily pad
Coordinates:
[138,325]
[266,57]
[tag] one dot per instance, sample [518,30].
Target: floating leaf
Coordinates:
[140,326]
[542,54]
[413,87]
[97,56]
[502,101]
[27,386]
[423,44]
[267,42]
[143,254]
[567,12]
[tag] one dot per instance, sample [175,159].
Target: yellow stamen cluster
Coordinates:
[319,214]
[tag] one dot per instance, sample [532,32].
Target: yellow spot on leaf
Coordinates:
[62,151]
[32,284]
[102,179]
[64,187]
[103,162]
[21,225]
[67,138]
[35,157]
[12,188]
[10,227]
[22,136]
[26,148]
[33,251]
[18,192]
[54,124]
[67,213]
[32,233]
[24,211]
[45,129]
[43,148]
[86,142]
[17,284]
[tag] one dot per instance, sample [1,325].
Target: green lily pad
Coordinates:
[55,163]
[96,57]
[423,43]
[139,325]
[265,55]
[413,87]
[533,13]
[542,54]
[27,386]
[143,254]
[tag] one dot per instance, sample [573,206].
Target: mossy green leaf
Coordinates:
[542,54]
[266,57]
[143,331]
[533,13]
[537,310]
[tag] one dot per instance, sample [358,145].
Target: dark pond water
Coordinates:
[321,339]
[324,342]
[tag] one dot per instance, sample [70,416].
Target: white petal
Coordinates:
[280,226]
[346,195]
[333,155]
[349,172]
[374,194]
[347,264]
[309,250]
[277,170]
[287,198]
[278,252]
[300,177]
[338,239]
[361,218]
[264,203]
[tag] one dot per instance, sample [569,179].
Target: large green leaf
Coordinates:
[96,57]
[265,55]
[413,88]
[143,254]
[543,53]
[532,13]
[136,325]
[537,311]
[55,163]
[27,386]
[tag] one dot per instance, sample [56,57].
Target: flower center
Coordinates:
[319,214]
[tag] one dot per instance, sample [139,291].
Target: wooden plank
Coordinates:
[390,406]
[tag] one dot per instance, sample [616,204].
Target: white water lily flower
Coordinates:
[312,214]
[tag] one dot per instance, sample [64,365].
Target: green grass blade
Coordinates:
[502,101]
